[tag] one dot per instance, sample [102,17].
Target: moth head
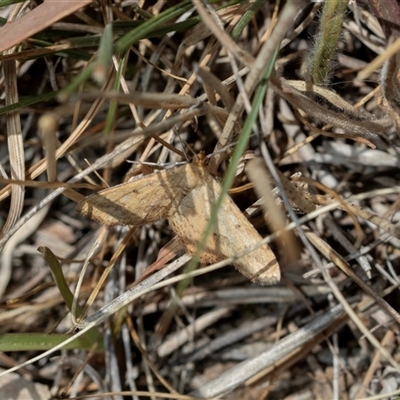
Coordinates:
[199,159]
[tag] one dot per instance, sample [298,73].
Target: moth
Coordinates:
[185,196]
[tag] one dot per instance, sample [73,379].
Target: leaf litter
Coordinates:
[175,85]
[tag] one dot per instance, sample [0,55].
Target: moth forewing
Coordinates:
[143,201]
[232,233]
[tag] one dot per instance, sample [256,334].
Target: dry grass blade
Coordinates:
[238,375]
[36,20]
[272,214]
[148,100]
[329,253]
[15,147]
[213,23]
[19,237]
[358,127]
[175,341]
[40,167]
[382,223]
[266,53]
[48,124]
[14,137]
[106,271]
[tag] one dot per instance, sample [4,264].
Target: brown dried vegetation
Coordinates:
[272,93]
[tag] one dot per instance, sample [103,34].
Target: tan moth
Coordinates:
[185,196]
